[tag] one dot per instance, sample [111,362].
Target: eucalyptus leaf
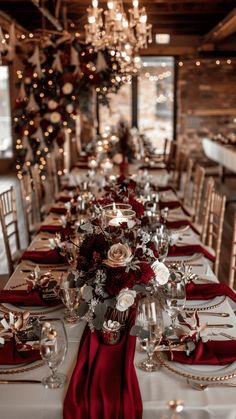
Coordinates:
[139,288]
[83,309]
[144,334]
[51,285]
[99,312]
[135,330]
[110,302]
[87,293]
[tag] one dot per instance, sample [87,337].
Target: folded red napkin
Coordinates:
[64,231]
[22,297]
[9,355]
[173,205]
[180,223]
[58,210]
[208,291]
[63,198]
[212,352]
[41,256]
[104,383]
[190,250]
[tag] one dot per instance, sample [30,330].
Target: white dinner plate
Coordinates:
[192,258]
[20,368]
[36,310]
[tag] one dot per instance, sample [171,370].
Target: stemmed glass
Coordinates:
[70,251]
[70,295]
[175,299]
[161,240]
[53,348]
[149,317]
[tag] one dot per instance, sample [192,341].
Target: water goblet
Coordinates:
[161,240]
[150,319]
[53,348]
[70,295]
[175,299]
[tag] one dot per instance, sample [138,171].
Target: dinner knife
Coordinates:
[20,381]
[221,326]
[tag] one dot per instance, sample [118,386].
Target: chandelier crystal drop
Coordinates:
[112,29]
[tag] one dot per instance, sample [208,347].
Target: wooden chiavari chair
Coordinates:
[187,182]
[196,194]
[180,165]
[205,213]
[38,193]
[232,264]
[8,218]
[215,226]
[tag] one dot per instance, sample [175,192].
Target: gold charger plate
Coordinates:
[17,369]
[199,372]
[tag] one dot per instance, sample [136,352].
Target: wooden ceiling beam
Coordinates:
[223,29]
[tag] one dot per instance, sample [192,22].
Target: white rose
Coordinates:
[67,88]
[52,104]
[118,255]
[161,272]
[125,299]
[55,117]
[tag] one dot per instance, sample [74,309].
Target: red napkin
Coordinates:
[180,223]
[208,291]
[104,383]
[64,231]
[212,352]
[9,355]
[48,256]
[190,250]
[63,198]
[172,205]
[58,210]
[22,297]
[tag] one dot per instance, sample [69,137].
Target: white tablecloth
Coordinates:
[222,154]
[157,388]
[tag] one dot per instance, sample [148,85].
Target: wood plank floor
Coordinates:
[9,180]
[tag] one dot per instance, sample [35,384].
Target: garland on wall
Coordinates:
[55,85]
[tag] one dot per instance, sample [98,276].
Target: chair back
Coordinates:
[180,164]
[8,218]
[198,183]
[27,197]
[205,210]
[37,192]
[232,264]
[215,227]
[187,182]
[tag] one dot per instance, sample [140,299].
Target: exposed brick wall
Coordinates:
[206,99]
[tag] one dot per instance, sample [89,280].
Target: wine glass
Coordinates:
[70,295]
[161,240]
[150,319]
[70,251]
[175,299]
[53,348]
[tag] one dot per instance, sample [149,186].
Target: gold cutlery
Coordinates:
[202,387]
[221,326]
[20,382]
[209,313]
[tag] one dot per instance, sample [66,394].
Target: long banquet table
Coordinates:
[224,155]
[27,401]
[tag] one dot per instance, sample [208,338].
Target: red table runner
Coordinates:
[104,383]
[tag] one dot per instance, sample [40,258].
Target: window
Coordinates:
[155,99]
[5,115]
[120,107]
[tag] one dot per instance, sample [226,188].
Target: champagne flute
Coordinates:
[150,319]
[70,251]
[175,299]
[53,348]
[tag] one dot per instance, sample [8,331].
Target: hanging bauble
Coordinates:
[52,104]
[67,88]
[55,118]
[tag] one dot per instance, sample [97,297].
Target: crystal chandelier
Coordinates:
[112,28]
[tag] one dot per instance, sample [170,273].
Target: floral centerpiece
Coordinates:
[113,265]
